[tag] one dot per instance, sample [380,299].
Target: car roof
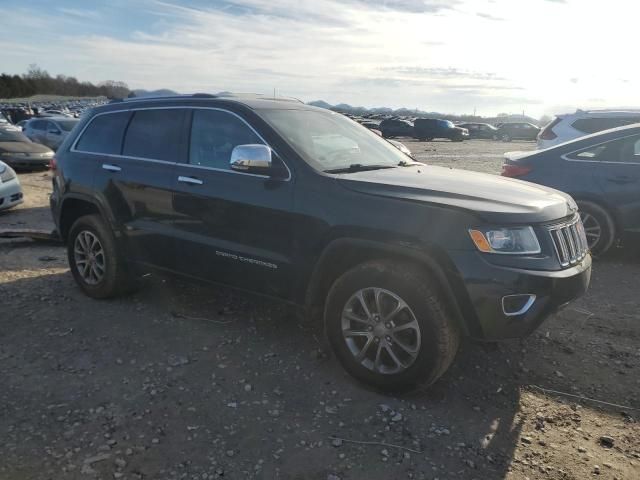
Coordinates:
[605,135]
[252,101]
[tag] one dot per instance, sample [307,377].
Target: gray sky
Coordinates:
[541,56]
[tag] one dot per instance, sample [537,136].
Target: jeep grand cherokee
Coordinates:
[399,259]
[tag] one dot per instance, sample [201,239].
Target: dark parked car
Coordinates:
[601,171]
[517,131]
[18,151]
[481,130]
[430,128]
[391,128]
[399,259]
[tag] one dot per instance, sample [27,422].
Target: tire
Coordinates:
[107,276]
[433,337]
[597,221]
[506,137]
[429,139]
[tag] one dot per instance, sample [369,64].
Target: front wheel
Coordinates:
[389,327]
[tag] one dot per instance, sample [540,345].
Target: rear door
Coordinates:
[620,180]
[614,168]
[137,184]
[234,227]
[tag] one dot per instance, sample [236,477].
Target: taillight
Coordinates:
[510,170]
[53,164]
[548,133]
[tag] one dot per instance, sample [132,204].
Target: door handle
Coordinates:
[190,180]
[111,168]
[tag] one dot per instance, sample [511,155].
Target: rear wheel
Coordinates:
[389,327]
[598,226]
[505,137]
[96,263]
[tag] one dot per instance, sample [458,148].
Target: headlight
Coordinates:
[7,174]
[510,241]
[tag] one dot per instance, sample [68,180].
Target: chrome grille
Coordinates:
[570,241]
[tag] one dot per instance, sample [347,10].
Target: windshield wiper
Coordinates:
[358,167]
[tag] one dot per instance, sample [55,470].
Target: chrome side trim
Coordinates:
[74,149]
[525,308]
[191,180]
[111,168]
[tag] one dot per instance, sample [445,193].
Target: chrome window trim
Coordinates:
[73,148]
[566,158]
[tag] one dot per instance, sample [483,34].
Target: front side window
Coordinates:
[104,134]
[330,141]
[214,135]
[156,134]
[38,125]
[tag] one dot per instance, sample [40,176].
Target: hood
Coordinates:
[495,199]
[23,147]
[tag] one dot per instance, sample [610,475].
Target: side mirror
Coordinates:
[251,158]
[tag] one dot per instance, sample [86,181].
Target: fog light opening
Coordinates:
[514,305]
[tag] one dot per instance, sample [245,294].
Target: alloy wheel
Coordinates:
[592,229]
[381,331]
[89,257]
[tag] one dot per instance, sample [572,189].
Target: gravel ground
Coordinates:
[199,382]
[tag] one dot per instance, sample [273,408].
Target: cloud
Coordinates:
[81,13]
[488,16]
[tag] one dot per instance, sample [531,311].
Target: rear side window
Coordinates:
[214,135]
[624,150]
[593,125]
[38,124]
[156,134]
[104,134]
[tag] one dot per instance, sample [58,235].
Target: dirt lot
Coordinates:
[197,382]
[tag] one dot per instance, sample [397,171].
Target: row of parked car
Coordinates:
[427,129]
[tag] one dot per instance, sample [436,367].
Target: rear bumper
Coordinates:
[487,285]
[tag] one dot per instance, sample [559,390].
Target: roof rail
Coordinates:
[222,95]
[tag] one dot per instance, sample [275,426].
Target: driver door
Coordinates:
[232,227]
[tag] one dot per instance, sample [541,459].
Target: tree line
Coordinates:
[37,81]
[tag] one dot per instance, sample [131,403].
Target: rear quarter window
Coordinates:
[104,134]
[593,125]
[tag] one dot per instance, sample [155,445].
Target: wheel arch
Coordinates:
[75,206]
[343,254]
[602,203]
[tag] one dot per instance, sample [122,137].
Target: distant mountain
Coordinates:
[320,103]
[163,92]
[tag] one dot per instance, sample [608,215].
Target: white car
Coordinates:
[10,189]
[584,122]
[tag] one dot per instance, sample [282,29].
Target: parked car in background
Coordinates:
[21,124]
[49,131]
[583,122]
[18,151]
[398,259]
[600,171]
[517,131]
[430,128]
[392,128]
[10,189]
[480,130]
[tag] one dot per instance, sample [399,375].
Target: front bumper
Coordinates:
[10,194]
[486,285]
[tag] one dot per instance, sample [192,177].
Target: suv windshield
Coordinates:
[9,136]
[331,141]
